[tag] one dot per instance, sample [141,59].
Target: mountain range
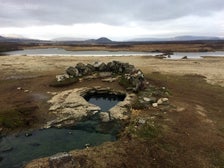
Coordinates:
[179,38]
[104,40]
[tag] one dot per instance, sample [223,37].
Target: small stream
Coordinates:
[16,150]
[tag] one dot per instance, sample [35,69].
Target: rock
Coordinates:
[19,88]
[160,101]
[90,67]
[87,146]
[154,105]
[104,116]
[165,99]
[185,57]
[105,74]
[102,67]
[83,69]
[72,71]
[153,99]
[93,109]
[129,68]
[110,66]
[80,66]
[109,79]
[61,78]
[28,134]
[62,160]
[141,121]
[26,91]
[146,99]
[96,65]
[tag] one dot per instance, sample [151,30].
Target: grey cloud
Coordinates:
[42,12]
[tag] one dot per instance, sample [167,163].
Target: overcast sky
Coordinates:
[115,19]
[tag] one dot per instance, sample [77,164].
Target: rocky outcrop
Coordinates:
[70,106]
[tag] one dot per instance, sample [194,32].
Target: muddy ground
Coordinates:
[189,134]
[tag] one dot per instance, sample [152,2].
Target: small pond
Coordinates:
[15,150]
[104,101]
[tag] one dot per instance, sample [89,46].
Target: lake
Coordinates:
[192,55]
[62,52]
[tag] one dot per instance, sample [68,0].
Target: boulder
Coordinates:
[90,67]
[102,67]
[96,65]
[72,71]
[82,68]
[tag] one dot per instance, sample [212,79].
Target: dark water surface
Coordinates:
[15,150]
[104,101]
